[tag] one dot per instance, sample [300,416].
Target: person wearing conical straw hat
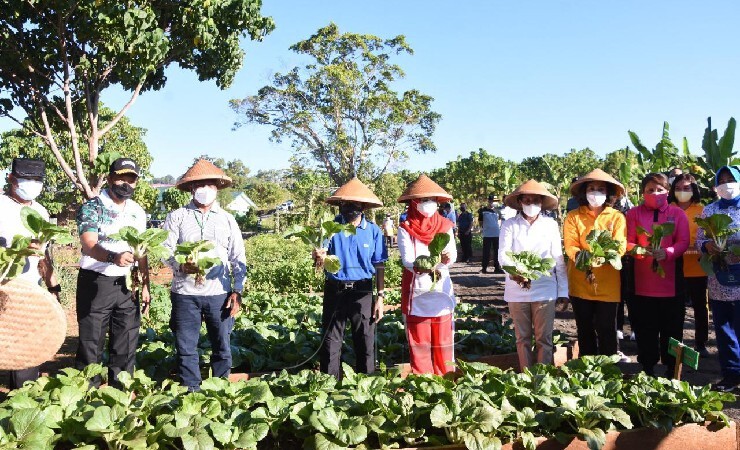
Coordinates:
[25,183]
[427,306]
[595,291]
[216,297]
[104,303]
[532,302]
[348,293]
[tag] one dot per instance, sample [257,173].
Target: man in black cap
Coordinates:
[24,183]
[103,300]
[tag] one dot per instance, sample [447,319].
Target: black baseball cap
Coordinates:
[124,165]
[28,168]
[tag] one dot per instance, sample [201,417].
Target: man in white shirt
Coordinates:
[25,182]
[103,301]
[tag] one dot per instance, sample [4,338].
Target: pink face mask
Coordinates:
[655,201]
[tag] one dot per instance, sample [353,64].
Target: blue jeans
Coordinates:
[726,318]
[187,313]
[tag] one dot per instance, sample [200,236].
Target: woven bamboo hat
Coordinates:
[424,187]
[203,170]
[596,175]
[354,191]
[549,201]
[33,325]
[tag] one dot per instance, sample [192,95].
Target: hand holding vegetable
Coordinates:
[659,254]
[193,260]
[712,248]
[124,259]
[654,249]
[428,263]
[528,266]
[315,237]
[718,228]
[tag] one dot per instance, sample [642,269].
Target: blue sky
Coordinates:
[518,78]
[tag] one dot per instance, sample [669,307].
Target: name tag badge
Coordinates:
[366,245]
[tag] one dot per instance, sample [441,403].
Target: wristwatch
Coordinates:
[111,256]
[55,289]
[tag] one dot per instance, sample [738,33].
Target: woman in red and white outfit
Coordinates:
[428,312]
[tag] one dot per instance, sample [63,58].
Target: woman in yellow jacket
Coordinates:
[685,194]
[594,304]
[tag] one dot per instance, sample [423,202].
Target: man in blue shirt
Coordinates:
[488,217]
[348,294]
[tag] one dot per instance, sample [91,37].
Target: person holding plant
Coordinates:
[532,301]
[657,236]
[24,185]
[719,247]
[594,237]
[348,292]
[104,302]
[427,297]
[684,193]
[209,268]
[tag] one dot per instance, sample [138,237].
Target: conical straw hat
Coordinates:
[424,187]
[203,170]
[33,325]
[354,191]
[596,175]
[549,201]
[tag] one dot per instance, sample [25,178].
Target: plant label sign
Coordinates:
[687,355]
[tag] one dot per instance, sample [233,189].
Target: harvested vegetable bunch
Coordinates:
[148,243]
[717,227]
[194,253]
[530,266]
[603,249]
[654,239]
[317,236]
[429,262]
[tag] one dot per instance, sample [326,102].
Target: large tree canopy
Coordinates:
[57,57]
[340,110]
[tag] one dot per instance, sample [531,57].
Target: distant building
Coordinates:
[240,203]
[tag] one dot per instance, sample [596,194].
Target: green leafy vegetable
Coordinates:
[603,249]
[316,237]
[42,230]
[530,266]
[717,227]
[193,253]
[13,257]
[147,243]
[429,262]
[654,239]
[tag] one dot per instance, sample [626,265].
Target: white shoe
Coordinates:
[620,335]
[623,358]
[633,336]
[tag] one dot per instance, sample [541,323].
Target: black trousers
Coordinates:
[696,291]
[105,305]
[488,243]
[466,245]
[18,377]
[354,304]
[659,319]
[596,322]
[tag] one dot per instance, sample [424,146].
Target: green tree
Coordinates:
[664,157]
[467,179]
[124,139]
[340,109]
[57,58]
[174,198]
[266,194]
[146,196]
[717,153]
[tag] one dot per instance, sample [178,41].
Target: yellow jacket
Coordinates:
[578,224]
[691,267]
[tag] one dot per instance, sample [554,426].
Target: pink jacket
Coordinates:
[647,282]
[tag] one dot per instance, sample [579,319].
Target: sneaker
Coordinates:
[633,336]
[623,358]
[726,384]
[702,350]
[620,335]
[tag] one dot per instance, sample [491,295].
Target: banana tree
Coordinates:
[717,153]
[663,157]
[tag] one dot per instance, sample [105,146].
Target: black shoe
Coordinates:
[702,350]
[649,371]
[726,384]
[484,271]
[499,270]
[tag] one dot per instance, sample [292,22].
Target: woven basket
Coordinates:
[32,325]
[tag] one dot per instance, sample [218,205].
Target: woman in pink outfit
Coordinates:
[658,302]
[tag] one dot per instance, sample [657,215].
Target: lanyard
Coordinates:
[201,225]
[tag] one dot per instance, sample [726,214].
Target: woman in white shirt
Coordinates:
[533,310]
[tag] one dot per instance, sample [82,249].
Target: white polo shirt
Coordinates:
[11,225]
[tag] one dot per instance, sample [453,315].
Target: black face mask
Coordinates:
[350,212]
[123,191]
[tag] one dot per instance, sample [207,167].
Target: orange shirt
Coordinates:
[578,224]
[691,267]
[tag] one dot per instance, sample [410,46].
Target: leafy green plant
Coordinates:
[429,262]
[42,230]
[717,227]
[317,236]
[529,266]
[13,257]
[193,253]
[147,243]
[602,249]
[654,239]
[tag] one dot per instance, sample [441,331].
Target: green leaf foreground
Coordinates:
[484,408]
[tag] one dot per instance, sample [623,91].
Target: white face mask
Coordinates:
[531,210]
[28,189]
[596,198]
[728,191]
[205,195]
[428,208]
[683,196]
